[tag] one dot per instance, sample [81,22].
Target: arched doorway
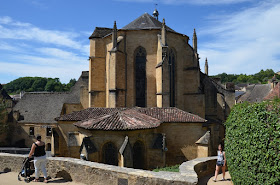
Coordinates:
[140,76]
[110,154]
[138,155]
[49,147]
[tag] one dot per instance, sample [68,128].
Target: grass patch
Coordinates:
[168,169]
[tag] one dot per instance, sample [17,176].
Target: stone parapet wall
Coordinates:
[101,174]
[199,167]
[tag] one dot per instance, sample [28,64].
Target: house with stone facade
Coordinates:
[35,113]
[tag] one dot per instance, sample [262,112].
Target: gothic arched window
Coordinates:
[172,63]
[140,76]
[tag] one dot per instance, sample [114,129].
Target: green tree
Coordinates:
[261,77]
[242,78]
[70,84]
[29,84]
[53,85]
[39,84]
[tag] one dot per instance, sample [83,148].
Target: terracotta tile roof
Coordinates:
[120,120]
[128,118]
[89,113]
[170,114]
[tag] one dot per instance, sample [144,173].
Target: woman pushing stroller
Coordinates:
[40,159]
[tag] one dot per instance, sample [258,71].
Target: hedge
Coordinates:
[252,143]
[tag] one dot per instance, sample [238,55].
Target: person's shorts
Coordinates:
[220,163]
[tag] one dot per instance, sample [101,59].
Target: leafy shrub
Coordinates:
[253,143]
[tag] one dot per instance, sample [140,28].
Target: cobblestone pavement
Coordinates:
[209,180]
[11,178]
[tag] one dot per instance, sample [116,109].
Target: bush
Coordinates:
[253,143]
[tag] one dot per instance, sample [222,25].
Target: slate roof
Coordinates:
[4,93]
[275,92]
[44,107]
[40,107]
[128,118]
[100,32]
[255,93]
[145,22]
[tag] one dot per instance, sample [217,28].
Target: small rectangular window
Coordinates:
[49,132]
[31,131]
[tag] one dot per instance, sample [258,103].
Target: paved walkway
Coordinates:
[209,180]
[11,178]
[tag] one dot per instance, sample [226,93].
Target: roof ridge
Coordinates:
[145,21]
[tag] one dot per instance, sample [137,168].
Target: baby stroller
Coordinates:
[27,169]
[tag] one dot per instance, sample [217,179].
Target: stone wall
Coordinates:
[100,174]
[199,167]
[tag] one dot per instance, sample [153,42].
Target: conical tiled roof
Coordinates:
[120,120]
[129,118]
[145,22]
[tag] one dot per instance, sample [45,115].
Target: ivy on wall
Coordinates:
[253,143]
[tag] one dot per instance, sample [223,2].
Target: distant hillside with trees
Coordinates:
[32,84]
[260,77]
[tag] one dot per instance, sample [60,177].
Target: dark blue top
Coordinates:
[39,150]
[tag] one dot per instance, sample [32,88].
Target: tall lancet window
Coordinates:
[172,72]
[140,76]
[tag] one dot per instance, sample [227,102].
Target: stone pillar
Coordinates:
[113,70]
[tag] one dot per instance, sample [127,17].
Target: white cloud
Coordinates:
[27,50]
[10,29]
[60,54]
[244,42]
[196,2]
[8,47]
[65,74]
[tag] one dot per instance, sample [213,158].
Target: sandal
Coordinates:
[36,180]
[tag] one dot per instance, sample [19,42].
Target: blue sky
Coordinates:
[49,38]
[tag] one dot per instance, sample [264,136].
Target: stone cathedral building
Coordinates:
[147,64]
[146,100]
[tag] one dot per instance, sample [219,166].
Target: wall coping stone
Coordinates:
[188,168]
[187,174]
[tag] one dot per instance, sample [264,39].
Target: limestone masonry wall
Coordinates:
[101,174]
